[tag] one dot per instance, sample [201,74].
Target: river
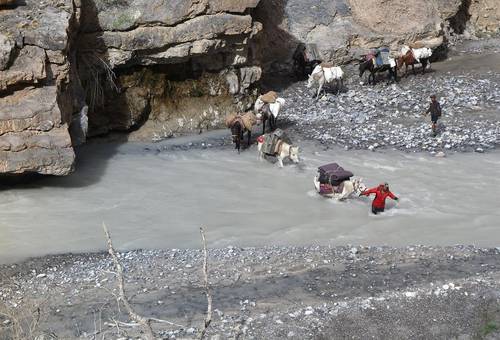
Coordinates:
[151,199]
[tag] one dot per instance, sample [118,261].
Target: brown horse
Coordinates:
[409,60]
[239,124]
[237,131]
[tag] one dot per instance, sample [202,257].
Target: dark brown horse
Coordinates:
[367,65]
[409,60]
[237,131]
[267,116]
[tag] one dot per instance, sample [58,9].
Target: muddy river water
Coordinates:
[152,199]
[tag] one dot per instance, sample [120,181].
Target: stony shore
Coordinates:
[391,116]
[356,292]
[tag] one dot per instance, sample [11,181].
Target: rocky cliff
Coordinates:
[344,29]
[69,69]
[76,68]
[35,100]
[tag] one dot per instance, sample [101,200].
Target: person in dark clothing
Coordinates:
[300,61]
[381,193]
[435,111]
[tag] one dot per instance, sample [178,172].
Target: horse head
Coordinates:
[358,185]
[294,154]
[400,61]
[259,103]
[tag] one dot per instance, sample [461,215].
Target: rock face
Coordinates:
[484,16]
[35,95]
[69,69]
[345,29]
[179,65]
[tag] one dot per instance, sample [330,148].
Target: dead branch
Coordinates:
[208,318]
[144,322]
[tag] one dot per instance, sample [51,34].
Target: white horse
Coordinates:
[322,75]
[354,186]
[283,150]
[263,114]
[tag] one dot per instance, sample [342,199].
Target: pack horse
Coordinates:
[239,124]
[378,61]
[333,181]
[277,144]
[414,56]
[267,108]
[326,73]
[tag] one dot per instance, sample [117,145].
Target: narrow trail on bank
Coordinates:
[153,199]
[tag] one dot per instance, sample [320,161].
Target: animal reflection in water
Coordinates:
[326,74]
[239,124]
[279,149]
[334,182]
[267,108]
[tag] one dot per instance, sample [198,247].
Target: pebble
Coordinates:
[373,117]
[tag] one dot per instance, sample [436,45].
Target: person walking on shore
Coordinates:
[381,193]
[435,111]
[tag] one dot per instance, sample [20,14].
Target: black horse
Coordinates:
[367,65]
[267,116]
[237,131]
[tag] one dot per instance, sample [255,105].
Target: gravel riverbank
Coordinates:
[352,292]
[356,292]
[391,116]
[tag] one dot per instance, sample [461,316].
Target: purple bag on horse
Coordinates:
[333,174]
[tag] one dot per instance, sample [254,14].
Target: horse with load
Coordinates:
[333,181]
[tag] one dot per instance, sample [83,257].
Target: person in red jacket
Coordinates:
[381,193]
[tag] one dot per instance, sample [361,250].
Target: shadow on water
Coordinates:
[91,164]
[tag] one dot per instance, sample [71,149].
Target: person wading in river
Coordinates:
[435,111]
[381,193]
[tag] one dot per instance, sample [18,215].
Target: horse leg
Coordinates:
[263,123]
[249,138]
[413,69]
[280,160]
[319,89]
[424,65]
[272,122]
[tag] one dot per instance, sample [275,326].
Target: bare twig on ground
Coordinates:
[208,318]
[144,322]
[139,320]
